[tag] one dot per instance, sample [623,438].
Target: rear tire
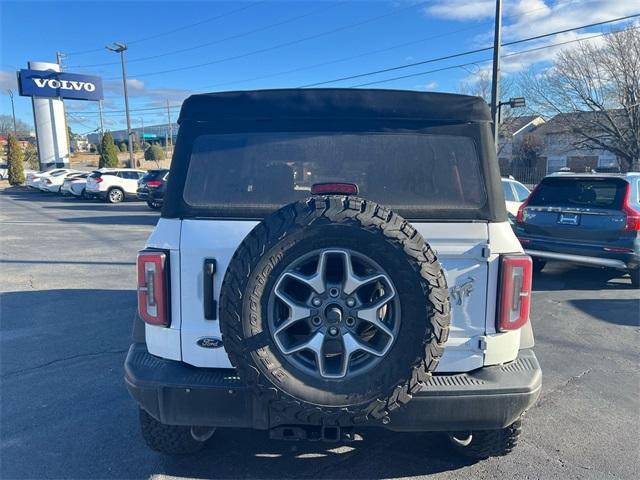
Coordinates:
[635,277]
[154,205]
[168,439]
[483,444]
[115,195]
[538,265]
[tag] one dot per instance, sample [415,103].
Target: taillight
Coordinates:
[515,292]
[153,287]
[520,214]
[633,216]
[154,183]
[98,179]
[334,188]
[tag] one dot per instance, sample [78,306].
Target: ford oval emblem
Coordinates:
[209,342]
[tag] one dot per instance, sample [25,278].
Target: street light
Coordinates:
[514,102]
[120,48]
[13,110]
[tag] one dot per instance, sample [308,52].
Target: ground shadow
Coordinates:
[618,311]
[378,454]
[562,276]
[64,394]
[127,206]
[115,220]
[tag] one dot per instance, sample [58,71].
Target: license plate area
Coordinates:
[569,219]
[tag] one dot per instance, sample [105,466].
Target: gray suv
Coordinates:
[589,219]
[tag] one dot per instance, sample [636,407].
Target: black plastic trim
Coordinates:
[179,394]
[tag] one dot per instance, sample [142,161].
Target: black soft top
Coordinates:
[205,119]
[332,104]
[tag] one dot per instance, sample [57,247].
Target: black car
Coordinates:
[589,219]
[152,186]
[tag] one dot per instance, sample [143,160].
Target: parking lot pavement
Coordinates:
[68,299]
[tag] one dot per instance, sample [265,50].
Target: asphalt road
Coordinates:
[67,281]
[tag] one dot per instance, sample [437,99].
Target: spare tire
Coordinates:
[335,309]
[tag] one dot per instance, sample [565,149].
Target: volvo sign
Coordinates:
[39,83]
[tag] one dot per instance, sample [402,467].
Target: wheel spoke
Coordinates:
[371,314]
[353,282]
[315,281]
[353,345]
[314,344]
[297,312]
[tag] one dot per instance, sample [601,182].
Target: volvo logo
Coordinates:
[64,84]
[209,342]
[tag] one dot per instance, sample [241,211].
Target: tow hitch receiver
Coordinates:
[313,433]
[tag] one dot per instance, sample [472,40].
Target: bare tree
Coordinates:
[601,79]
[6,125]
[479,85]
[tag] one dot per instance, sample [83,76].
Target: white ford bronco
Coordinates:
[328,260]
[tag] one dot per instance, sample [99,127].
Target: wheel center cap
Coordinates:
[333,314]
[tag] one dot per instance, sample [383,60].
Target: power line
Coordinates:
[220,40]
[382,50]
[178,29]
[522,52]
[284,44]
[469,52]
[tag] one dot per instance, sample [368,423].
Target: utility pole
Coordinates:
[121,48]
[101,120]
[13,111]
[169,127]
[495,84]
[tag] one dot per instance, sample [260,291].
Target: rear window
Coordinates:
[100,174]
[263,171]
[154,175]
[580,193]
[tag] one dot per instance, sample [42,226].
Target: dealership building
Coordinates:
[151,134]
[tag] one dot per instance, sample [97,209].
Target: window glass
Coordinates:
[522,192]
[508,192]
[263,171]
[585,193]
[129,175]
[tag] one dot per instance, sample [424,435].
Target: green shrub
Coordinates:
[123,147]
[154,153]
[108,152]
[15,161]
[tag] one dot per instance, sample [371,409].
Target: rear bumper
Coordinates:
[179,394]
[581,259]
[623,254]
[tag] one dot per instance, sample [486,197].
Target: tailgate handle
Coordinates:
[210,304]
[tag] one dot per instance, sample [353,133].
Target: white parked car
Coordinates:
[514,194]
[4,171]
[114,184]
[53,183]
[33,180]
[77,180]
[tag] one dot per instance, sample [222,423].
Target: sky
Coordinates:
[177,48]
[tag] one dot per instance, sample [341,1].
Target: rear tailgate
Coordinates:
[459,247]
